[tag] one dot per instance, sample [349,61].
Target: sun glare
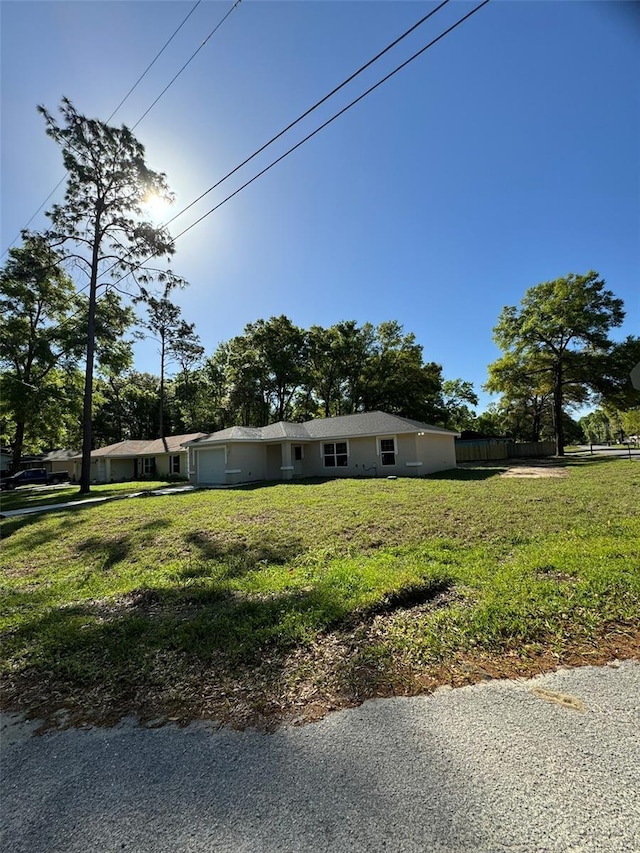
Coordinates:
[157,207]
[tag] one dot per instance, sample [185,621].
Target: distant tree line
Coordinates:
[276,370]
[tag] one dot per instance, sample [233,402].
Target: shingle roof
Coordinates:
[344,426]
[146,447]
[368,423]
[59,455]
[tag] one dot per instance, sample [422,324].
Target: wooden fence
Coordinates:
[484,451]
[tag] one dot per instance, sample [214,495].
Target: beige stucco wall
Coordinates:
[436,452]
[246,463]
[365,461]
[416,456]
[124,469]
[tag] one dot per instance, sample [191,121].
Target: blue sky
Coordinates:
[506,155]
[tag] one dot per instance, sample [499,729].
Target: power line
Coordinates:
[310,135]
[311,109]
[329,121]
[156,57]
[188,62]
[316,131]
[131,90]
[301,117]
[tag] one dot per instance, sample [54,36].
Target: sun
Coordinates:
[157,207]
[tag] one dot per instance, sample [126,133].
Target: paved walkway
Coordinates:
[551,764]
[172,490]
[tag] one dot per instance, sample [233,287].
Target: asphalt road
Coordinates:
[501,766]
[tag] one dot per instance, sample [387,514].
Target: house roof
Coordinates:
[59,455]
[145,447]
[368,423]
[344,426]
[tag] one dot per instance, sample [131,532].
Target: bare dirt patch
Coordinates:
[534,468]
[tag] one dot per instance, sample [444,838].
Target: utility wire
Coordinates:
[155,58]
[329,121]
[300,118]
[188,62]
[310,110]
[312,134]
[138,81]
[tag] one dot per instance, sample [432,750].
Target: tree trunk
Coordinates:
[87,413]
[557,409]
[17,446]
[162,357]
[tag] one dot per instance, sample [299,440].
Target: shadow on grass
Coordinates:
[32,539]
[154,637]
[238,558]
[585,461]
[474,471]
[109,552]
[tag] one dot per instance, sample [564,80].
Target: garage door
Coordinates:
[211,466]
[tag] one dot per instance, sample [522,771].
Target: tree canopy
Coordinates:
[101,225]
[554,342]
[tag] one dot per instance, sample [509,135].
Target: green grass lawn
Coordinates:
[288,599]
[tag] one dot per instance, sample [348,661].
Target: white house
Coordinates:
[364,445]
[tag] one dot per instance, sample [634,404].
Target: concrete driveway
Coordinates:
[551,764]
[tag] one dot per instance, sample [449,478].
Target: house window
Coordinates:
[297,453]
[148,465]
[335,454]
[388,451]
[174,467]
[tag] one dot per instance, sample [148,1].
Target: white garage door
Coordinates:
[211,466]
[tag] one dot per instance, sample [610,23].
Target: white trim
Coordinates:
[335,452]
[386,437]
[394,438]
[413,464]
[286,468]
[238,471]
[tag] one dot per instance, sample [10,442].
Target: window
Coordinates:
[335,455]
[174,465]
[297,453]
[148,465]
[388,451]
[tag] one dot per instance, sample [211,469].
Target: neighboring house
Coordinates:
[366,445]
[6,459]
[132,459]
[60,460]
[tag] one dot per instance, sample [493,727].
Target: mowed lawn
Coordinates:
[282,601]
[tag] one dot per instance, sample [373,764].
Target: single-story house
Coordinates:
[60,460]
[364,445]
[133,459]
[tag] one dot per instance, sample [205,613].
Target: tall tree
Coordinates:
[611,373]
[126,406]
[177,340]
[187,352]
[395,378]
[36,300]
[102,221]
[557,330]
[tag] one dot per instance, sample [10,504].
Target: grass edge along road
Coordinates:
[283,601]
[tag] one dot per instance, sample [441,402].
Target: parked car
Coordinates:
[33,477]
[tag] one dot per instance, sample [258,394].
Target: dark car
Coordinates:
[33,477]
